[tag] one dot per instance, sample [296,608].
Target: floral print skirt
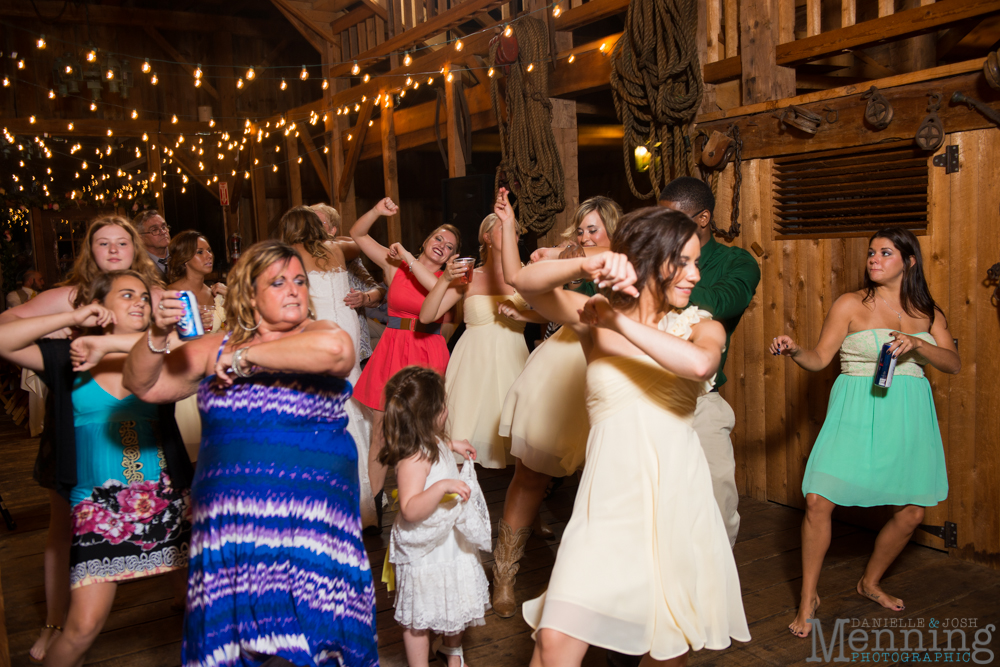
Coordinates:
[126,531]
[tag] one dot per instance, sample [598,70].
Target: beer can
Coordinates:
[190,327]
[885,368]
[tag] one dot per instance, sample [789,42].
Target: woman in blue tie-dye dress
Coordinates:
[278,567]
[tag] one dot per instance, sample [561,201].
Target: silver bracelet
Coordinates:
[149,343]
[238,356]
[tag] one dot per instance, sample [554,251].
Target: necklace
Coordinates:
[898,314]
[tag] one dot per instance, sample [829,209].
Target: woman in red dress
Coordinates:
[405,341]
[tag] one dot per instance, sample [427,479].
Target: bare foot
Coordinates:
[875,592]
[45,639]
[801,626]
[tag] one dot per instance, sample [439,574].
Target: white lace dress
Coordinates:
[328,289]
[440,583]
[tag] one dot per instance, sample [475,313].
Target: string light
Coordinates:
[40,43]
[531,66]
[370,123]
[197,71]
[349,137]
[146,66]
[409,81]
[20,64]
[572,57]
[110,74]
[251,74]
[197,83]
[300,159]
[556,11]
[490,72]
[326,84]
[135,114]
[239,83]
[304,74]
[173,119]
[93,106]
[52,94]
[355,70]
[145,137]
[604,47]
[91,56]
[109,134]
[31,119]
[366,78]
[450,77]
[246,174]
[211,122]
[283,85]
[458,45]
[68,69]
[416,85]
[6,82]
[154,80]
[508,31]
[430,80]
[70,127]
[407,59]
[274,168]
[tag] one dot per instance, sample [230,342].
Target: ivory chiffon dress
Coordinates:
[486,362]
[645,499]
[878,446]
[544,414]
[328,289]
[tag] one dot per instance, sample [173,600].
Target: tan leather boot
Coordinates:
[510,548]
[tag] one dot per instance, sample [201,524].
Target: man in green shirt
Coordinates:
[729,277]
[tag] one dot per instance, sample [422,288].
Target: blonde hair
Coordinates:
[241,316]
[609,211]
[485,227]
[330,212]
[452,229]
[302,225]
[85,269]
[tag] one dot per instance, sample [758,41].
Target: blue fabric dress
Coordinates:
[277,562]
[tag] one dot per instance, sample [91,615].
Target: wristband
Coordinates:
[149,343]
[238,357]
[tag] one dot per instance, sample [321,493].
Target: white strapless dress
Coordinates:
[328,289]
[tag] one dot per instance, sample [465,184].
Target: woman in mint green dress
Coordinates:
[877,446]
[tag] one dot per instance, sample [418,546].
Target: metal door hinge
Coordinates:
[948,159]
[948,532]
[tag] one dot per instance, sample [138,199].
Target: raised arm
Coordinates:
[443,296]
[510,260]
[18,336]
[831,337]
[424,276]
[49,302]
[695,359]
[374,250]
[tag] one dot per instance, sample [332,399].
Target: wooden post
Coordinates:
[259,194]
[336,125]
[564,128]
[456,158]
[294,173]
[709,50]
[759,36]
[155,169]
[389,170]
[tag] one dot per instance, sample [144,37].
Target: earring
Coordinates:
[246,328]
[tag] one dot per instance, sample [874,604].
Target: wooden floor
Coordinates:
[144,630]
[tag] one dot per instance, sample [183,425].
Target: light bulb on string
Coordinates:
[110,74]
[355,70]
[556,11]
[531,66]
[173,119]
[283,85]
[490,72]
[154,80]
[239,84]
[508,31]
[197,83]
[135,114]
[450,77]
[304,74]
[93,106]
[430,80]
[409,81]
[197,71]
[458,45]
[145,137]
[20,64]
[40,42]
[6,82]
[366,78]
[251,74]
[326,84]
[52,94]
[572,57]
[146,66]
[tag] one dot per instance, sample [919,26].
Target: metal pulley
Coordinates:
[507,49]
[930,134]
[879,112]
[801,119]
[718,151]
[991,69]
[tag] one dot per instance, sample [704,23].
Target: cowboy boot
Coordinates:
[542,529]
[510,548]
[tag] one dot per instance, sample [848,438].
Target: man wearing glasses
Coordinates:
[156,235]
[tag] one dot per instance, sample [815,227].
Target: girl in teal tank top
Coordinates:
[878,446]
[129,520]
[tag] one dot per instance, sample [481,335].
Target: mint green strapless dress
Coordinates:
[878,446]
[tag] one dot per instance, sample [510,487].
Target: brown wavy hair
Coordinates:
[607,208]
[181,249]
[914,295]
[241,317]
[414,400]
[651,237]
[302,225]
[85,269]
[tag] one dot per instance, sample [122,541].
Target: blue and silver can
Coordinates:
[190,327]
[885,368]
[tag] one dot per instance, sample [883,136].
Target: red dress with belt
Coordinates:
[398,348]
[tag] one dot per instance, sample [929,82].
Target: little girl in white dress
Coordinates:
[442,522]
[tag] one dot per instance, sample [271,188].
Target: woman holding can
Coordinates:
[878,446]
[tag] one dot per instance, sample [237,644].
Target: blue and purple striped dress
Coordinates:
[277,565]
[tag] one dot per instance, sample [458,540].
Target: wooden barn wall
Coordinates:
[780,407]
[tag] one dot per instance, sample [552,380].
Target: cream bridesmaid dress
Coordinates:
[486,361]
[645,564]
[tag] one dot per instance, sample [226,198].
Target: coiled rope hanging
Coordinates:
[529,162]
[656,84]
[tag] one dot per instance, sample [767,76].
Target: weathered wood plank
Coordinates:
[390,173]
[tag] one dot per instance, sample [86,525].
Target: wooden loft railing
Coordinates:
[725,58]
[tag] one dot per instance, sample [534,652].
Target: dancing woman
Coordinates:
[877,446]
[491,353]
[645,566]
[406,341]
[551,384]
[119,462]
[110,244]
[277,566]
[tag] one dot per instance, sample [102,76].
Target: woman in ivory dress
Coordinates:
[491,353]
[645,566]
[326,262]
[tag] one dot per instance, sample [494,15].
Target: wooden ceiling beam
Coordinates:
[444,21]
[111,15]
[358,140]
[169,49]
[350,19]
[376,9]
[310,32]
[316,159]
[588,13]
